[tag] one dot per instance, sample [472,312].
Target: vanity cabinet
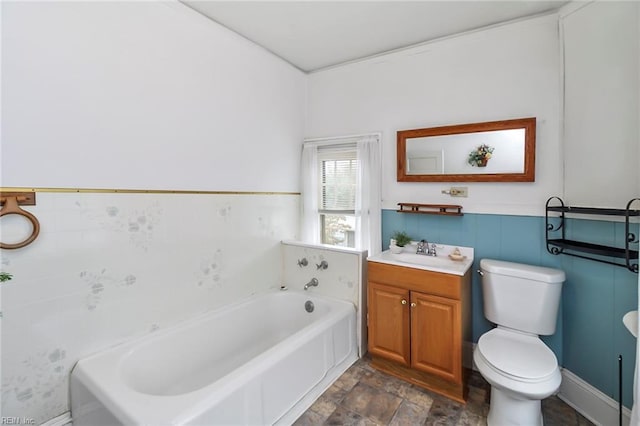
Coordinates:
[417,322]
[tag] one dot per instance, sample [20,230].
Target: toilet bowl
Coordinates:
[521,370]
[522,300]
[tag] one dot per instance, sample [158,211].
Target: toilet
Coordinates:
[522,300]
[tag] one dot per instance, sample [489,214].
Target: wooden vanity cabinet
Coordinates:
[417,322]
[389,322]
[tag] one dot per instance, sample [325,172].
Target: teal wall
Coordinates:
[590,333]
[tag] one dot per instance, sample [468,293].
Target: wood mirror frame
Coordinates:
[528,174]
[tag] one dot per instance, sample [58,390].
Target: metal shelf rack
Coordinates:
[587,250]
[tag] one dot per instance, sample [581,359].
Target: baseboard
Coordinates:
[599,408]
[63,419]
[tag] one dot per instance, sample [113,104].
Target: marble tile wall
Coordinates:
[341,279]
[344,278]
[110,267]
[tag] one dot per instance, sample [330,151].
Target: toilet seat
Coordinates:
[517,356]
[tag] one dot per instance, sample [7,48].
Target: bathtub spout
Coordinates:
[312,283]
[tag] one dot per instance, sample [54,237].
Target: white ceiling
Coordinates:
[312,35]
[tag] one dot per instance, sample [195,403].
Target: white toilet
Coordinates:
[522,300]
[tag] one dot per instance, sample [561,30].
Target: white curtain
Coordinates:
[368,217]
[310,231]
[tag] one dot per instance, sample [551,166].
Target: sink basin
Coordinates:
[441,263]
[630,321]
[420,259]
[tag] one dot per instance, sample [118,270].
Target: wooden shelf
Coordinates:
[441,209]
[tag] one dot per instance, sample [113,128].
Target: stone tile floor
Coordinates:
[365,396]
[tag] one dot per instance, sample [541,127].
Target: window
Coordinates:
[341,192]
[337,182]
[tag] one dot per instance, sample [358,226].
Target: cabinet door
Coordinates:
[436,345]
[389,322]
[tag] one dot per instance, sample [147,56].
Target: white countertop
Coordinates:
[440,263]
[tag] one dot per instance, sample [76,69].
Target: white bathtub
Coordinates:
[260,361]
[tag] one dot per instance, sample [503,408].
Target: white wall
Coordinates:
[510,71]
[142,95]
[602,132]
[147,95]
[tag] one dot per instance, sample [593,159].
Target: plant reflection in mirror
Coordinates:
[480,156]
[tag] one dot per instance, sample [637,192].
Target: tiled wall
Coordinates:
[344,278]
[109,267]
[590,334]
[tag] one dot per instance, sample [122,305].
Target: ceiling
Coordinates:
[312,35]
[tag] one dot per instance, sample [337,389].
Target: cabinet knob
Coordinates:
[404,302]
[413,304]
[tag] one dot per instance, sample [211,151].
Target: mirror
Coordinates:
[494,151]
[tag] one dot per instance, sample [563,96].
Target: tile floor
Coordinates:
[365,396]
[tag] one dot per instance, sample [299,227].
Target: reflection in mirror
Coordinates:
[483,152]
[422,161]
[506,156]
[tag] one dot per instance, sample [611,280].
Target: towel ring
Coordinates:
[11,207]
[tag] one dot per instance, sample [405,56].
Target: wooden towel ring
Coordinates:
[11,207]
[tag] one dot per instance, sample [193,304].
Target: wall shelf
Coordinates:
[441,209]
[586,250]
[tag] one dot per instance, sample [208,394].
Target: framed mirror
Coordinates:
[493,151]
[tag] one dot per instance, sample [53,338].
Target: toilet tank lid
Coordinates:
[521,270]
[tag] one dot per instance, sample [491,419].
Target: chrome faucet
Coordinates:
[425,249]
[312,283]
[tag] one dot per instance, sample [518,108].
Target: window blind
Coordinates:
[338,168]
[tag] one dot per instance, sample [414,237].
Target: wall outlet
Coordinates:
[459,191]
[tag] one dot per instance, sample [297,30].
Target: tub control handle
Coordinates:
[404,302]
[479,271]
[312,283]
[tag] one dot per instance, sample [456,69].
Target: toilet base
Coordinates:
[505,409]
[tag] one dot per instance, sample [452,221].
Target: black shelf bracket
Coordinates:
[559,244]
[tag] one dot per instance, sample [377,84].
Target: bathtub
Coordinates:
[263,360]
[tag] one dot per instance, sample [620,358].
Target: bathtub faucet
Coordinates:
[312,283]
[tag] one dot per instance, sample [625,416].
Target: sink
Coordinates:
[441,263]
[630,321]
[420,259]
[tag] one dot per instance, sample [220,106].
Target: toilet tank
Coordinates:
[522,297]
